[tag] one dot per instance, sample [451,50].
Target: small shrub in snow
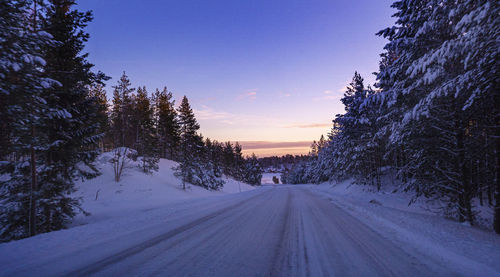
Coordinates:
[121,160]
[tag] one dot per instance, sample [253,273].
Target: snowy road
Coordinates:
[272,231]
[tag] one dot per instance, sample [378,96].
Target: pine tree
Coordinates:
[195,165]
[189,150]
[73,121]
[353,133]
[314,149]
[146,142]
[352,149]
[228,158]
[434,87]
[238,162]
[97,94]
[208,175]
[474,42]
[122,112]
[214,156]
[24,113]
[252,173]
[167,124]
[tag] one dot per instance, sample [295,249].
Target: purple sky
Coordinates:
[253,70]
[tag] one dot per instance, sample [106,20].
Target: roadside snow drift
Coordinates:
[104,198]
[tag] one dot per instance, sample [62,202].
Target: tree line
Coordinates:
[433,117]
[281,163]
[55,120]
[155,128]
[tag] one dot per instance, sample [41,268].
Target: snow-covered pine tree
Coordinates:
[252,171]
[167,124]
[228,158]
[435,124]
[392,79]
[324,167]
[215,156]
[73,122]
[326,164]
[352,149]
[355,132]
[195,166]
[218,149]
[371,146]
[314,149]
[146,142]
[475,78]
[321,143]
[347,134]
[239,162]
[24,111]
[439,88]
[189,150]
[208,174]
[318,167]
[122,112]
[410,143]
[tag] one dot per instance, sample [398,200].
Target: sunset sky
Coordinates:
[266,73]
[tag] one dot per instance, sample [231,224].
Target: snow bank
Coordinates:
[67,250]
[473,251]
[104,198]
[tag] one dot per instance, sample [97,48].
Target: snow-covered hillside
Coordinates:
[104,198]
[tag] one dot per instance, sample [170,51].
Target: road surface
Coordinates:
[272,231]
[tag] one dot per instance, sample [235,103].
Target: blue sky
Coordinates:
[253,70]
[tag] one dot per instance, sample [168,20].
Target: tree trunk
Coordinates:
[465,196]
[496,219]
[479,182]
[33,190]
[490,195]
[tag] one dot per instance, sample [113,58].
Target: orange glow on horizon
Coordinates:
[275,148]
[267,152]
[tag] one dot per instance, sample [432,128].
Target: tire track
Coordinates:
[216,239]
[375,254]
[280,250]
[117,257]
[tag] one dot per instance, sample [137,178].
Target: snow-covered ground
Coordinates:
[60,252]
[473,250]
[118,212]
[104,198]
[148,225]
[302,230]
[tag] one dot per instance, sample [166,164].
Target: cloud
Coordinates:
[342,89]
[329,95]
[226,118]
[247,145]
[284,94]
[206,113]
[273,148]
[311,125]
[250,95]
